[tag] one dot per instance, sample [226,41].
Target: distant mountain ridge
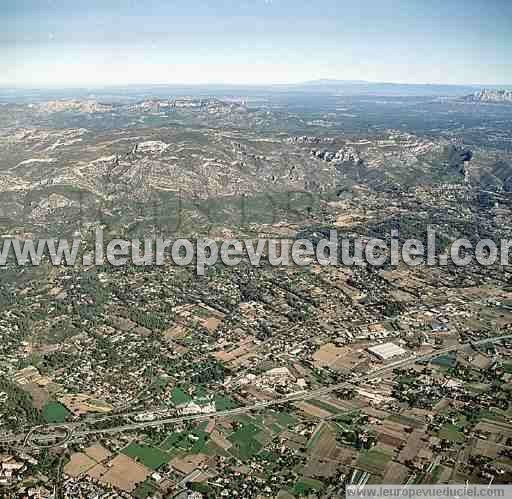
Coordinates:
[489,95]
[321,87]
[333,81]
[361,87]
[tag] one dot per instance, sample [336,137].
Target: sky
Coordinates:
[114,42]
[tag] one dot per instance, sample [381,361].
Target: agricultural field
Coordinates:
[451,433]
[178,396]
[147,455]
[374,461]
[307,486]
[54,412]
[192,441]
[245,445]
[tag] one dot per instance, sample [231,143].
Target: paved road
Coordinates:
[44,435]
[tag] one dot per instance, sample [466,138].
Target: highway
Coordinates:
[45,435]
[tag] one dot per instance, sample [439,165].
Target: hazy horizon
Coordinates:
[112,43]
[262,85]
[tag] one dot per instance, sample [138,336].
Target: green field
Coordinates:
[245,450]
[477,387]
[507,367]
[212,449]
[244,444]
[436,472]
[199,444]
[406,421]
[182,441]
[244,433]
[275,428]
[243,418]
[178,396]
[307,485]
[347,418]
[451,433]
[148,456]
[55,412]
[315,438]
[285,419]
[373,460]
[172,441]
[224,403]
[326,407]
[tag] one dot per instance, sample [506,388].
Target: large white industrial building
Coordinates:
[387,351]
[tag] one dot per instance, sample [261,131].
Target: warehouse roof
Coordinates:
[387,351]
